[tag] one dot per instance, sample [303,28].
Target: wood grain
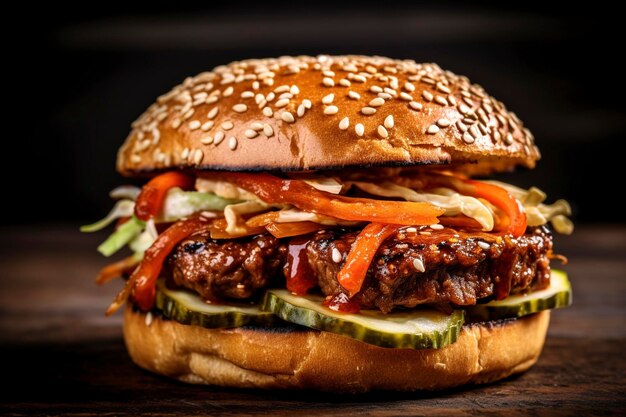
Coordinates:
[61,356]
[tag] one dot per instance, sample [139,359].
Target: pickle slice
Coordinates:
[557,295]
[416,329]
[188,308]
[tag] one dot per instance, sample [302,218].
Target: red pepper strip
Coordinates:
[272,189]
[115,270]
[142,283]
[360,257]
[152,194]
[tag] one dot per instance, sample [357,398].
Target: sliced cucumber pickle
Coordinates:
[557,295]
[417,329]
[188,308]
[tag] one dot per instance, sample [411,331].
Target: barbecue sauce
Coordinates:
[300,276]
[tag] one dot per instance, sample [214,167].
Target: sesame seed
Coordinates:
[267,112]
[415,105]
[436,226]
[219,137]
[213,112]
[409,87]
[376,89]
[328,99]
[285,95]
[207,140]
[410,230]
[188,114]
[267,130]
[281,89]
[247,94]
[385,96]
[497,136]
[359,78]
[368,111]
[294,90]
[256,126]
[185,153]
[418,265]
[250,133]
[344,82]
[240,108]
[432,129]
[452,100]
[389,122]
[443,122]
[344,123]
[371,69]
[382,132]
[287,117]
[270,96]
[328,73]
[508,139]
[390,91]
[354,95]
[467,138]
[427,96]
[232,143]
[148,318]
[405,96]
[359,129]
[301,110]
[228,92]
[211,99]
[135,158]
[328,82]
[474,131]
[441,100]
[207,125]
[331,110]
[227,125]
[336,256]
[464,109]
[194,124]
[197,156]
[483,245]
[468,101]
[443,88]
[307,103]
[255,85]
[377,102]
[461,126]
[427,80]
[282,103]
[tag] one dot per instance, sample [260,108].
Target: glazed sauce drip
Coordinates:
[300,276]
[342,303]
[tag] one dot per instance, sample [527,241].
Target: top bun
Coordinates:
[326,112]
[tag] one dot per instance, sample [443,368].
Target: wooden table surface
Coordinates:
[61,356]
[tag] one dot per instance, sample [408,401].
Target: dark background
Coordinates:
[78,78]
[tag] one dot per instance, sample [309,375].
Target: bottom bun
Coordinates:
[310,359]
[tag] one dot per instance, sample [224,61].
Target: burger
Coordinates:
[315,223]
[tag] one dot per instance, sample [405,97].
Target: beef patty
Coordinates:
[409,269]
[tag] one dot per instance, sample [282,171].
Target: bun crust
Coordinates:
[309,359]
[303,113]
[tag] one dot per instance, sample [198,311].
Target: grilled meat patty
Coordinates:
[409,269]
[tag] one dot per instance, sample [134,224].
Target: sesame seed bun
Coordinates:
[303,113]
[256,357]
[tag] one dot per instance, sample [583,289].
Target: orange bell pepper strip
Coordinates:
[360,257]
[152,195]
[272,189]
[115,270]
[141,286]
[281,230]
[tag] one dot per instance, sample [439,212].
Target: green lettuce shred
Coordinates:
[124,234]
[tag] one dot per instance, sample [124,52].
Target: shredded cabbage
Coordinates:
[224,189]
[452,202]
[233,211]
[538,214]
[124,234]
[328,184]
[179,204]
[129,192]
[123,208]
[144,240]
